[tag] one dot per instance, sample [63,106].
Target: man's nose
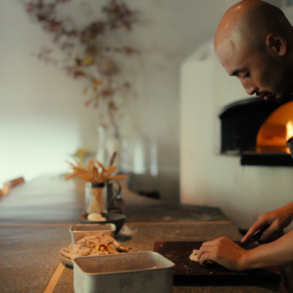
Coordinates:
[250,88]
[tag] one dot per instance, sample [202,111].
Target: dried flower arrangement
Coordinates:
[98,174]
[89,57]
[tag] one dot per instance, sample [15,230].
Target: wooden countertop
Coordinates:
[35,218]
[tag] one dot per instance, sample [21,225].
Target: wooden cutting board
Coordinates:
[187,272]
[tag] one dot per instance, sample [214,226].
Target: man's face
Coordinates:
[262,73]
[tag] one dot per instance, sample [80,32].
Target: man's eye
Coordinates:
[247,75]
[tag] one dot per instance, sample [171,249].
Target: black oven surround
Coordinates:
[240,122]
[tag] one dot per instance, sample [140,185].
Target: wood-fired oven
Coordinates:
[257,131]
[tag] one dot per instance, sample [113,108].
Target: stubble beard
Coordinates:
[283,81]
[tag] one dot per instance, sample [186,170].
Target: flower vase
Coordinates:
[95,198]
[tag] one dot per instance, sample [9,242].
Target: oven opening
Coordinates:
[276,130]
[257,131]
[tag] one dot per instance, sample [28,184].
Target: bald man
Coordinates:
[254,42]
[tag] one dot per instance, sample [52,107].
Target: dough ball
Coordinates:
[95,217]
[193,255]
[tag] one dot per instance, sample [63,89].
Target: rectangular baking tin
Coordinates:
[80,231]
[142,272]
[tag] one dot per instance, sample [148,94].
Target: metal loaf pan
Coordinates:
[79,231]
[142,272]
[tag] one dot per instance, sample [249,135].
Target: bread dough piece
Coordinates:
[95,217]
[193,255]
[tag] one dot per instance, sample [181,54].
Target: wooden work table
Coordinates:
[35,218]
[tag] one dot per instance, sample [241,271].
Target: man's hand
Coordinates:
[277,220]
[224,252]
[228,254]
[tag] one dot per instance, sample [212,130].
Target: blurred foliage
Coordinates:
[89,57]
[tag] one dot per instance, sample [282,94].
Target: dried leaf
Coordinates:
[96,174]
[101,165]
[90,166]
[97,82]
[79,163]
[69,176]
[110,171]
[87,60]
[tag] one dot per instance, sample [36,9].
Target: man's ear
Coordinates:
[277,43]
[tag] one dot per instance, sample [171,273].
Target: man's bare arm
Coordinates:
[277,220]
[278,252]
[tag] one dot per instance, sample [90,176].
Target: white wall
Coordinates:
[208,178]
[42,117]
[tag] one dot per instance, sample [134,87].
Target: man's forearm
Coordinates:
[278,252]
[289,207]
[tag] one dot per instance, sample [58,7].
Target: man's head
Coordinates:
[254,42]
